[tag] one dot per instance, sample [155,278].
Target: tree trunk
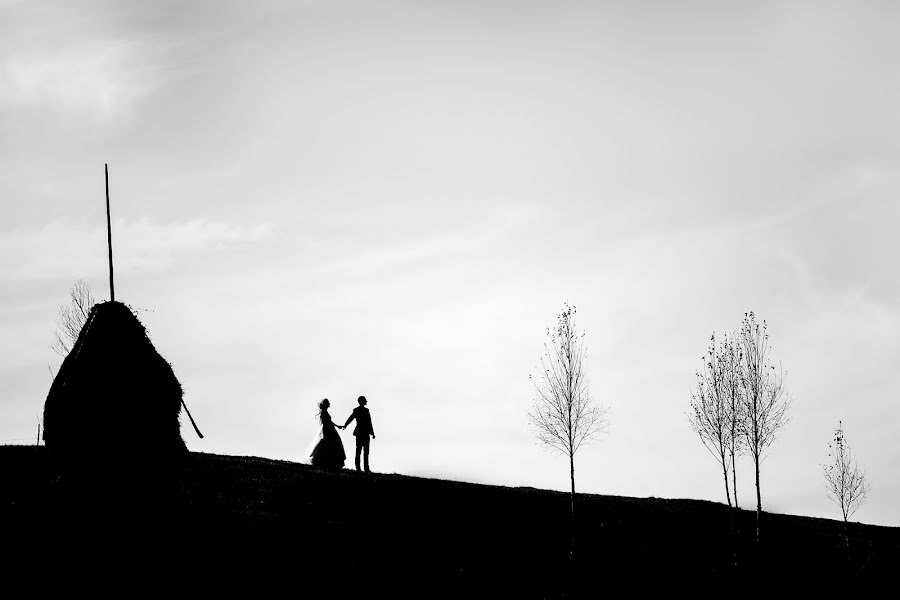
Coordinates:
[847,540]
[734,477]
[758,497]
[735,526]
[725,473]
[572,504]
[734,544]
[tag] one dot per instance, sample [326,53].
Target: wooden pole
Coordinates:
[191,418]
[112,288]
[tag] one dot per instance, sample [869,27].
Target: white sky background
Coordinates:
[329,199]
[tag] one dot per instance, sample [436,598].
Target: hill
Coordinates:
[227,521]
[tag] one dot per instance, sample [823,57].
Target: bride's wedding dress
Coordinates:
[326,449]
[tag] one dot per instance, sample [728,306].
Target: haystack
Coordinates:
[115,397]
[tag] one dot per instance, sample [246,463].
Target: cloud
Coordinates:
[425,250]
[102,79]
[148,245]
[64,249]
[83,61]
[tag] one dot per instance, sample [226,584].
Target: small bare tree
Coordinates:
[71,318]
[763,401]
[730,358]
[564,416]
[710,410]
[845,481]
[716,411]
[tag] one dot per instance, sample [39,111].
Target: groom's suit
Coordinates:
[362,432]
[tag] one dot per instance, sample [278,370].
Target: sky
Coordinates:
[325,199]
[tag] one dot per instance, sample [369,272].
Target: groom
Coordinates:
[362,432]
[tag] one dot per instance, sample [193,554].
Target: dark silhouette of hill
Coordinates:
[224,523]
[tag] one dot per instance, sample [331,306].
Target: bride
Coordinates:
[326,449]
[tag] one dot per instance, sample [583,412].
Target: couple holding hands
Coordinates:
[327,450]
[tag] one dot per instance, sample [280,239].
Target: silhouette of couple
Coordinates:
[327,450]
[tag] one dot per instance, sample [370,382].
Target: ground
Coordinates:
[222,523]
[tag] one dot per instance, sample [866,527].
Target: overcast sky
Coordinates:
[328,199]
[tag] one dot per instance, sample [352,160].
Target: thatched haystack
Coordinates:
[114,397]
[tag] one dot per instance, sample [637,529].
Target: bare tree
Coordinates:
[711,416]
[845,481]
[71,318]
[564,416]
[730,356]
[763,400]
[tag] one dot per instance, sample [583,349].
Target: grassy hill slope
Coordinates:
[225,521]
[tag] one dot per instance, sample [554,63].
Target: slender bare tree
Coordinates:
[71,318]
[730,358]
[564,416]
[844,479]
[716,413]
[710,409]
[763,400]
